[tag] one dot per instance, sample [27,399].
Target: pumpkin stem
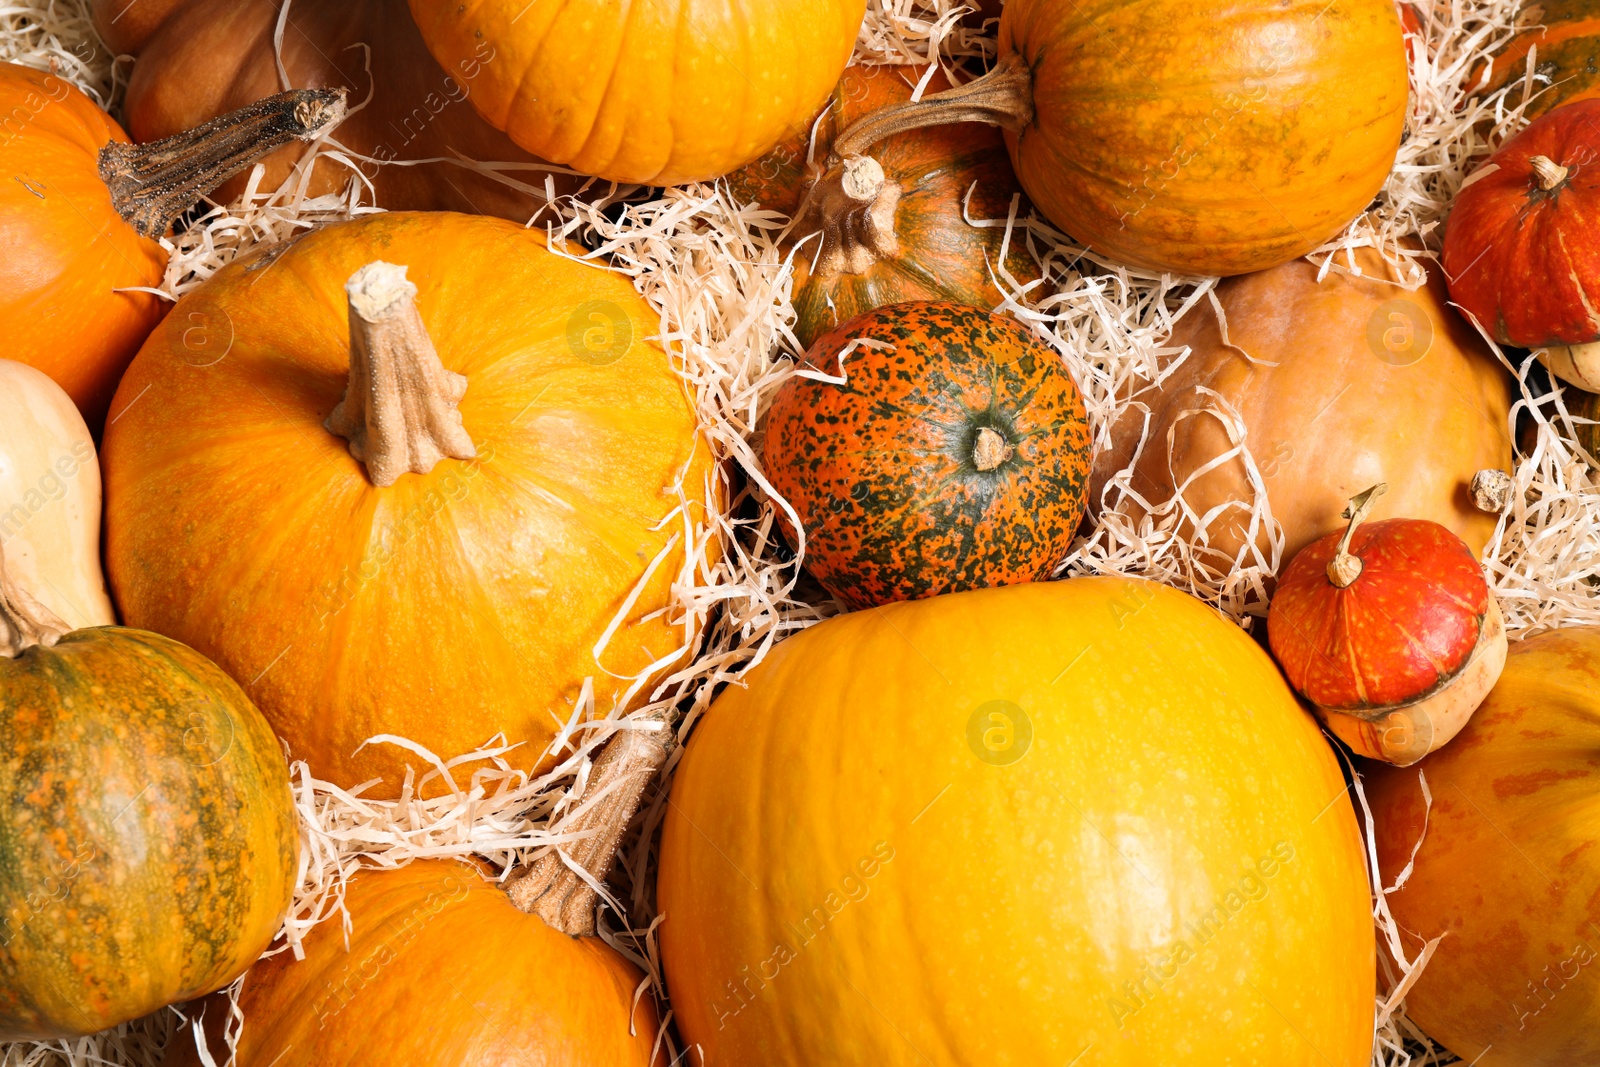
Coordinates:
[549,887]
[1003,97]
[853,206]
[1344,568]
[24,622]
[1491,490]
[399,409]
[991,450]
[1548,172]
[152,184]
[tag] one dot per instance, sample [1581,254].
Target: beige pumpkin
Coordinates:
[50,497]
[1336,385]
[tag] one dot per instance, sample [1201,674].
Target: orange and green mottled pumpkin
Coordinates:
[148,840]
[905,236]
[955,455]
[1564,36]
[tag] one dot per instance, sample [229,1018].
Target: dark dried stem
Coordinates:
[24,622]
[1003,97]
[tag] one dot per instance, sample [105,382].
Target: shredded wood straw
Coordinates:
[713,270]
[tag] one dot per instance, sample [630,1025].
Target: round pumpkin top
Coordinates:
[1519,244]
[449,606]
[659,93]
[1401,629]
[954,455]
[1100,784]
[441,969]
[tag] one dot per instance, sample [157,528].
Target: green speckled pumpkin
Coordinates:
[955,456]
[148,842]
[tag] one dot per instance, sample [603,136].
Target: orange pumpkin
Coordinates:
[80,213]
[1203,139]
[1507,871]
[440,969]
[1339,385]
[660,93]
[894,227]
[504,488]
[417,110]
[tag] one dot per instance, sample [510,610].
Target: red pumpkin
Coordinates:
[954,456]
[1520,248]
[1390,630]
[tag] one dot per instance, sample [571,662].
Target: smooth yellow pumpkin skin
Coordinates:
[664,92]
[844,880]
[447,607]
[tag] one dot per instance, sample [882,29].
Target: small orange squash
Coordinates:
[406,476]
[80,212]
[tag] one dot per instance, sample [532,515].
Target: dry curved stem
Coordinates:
[549,887]
[1003,97]
[1344,568]
[152,184]
[1548,172]
[853,206]
[399,411]
[24,622]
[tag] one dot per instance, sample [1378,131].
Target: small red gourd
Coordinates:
[1390,630]
[955,455]
[1519,248]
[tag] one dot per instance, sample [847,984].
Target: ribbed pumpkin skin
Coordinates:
[1209,138]
[1522,260]
[1567,36]
[417,110]
[1509,867]
[1400,630]
[442,971]
[942,256]
[64,250]
[845,880]
[149,842]
[662,93]
[449,606]
[881,471]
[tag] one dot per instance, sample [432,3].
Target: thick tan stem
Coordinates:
[549,887]
[853,206]
[1491,490]
[24,622]
[1003,97]
[991,450]
[1344,568]
[152,184]
[399,411]
[1548,172]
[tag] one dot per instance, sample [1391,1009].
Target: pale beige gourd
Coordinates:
[50,498]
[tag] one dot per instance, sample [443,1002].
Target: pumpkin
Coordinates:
[149,845]
[1390,631]
[1009,825]
[892,226]
[955,455]
[420,526]
[81,212]
[1565,37]
[1338,385]
[50,497]
[404,991]
[1507,869]
[1515,250]
[417,110]
[1201,139]
[621,92]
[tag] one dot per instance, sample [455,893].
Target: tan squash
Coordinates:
[50,497]
[1339,385]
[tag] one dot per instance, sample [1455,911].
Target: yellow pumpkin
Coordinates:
[663,93]
[50,497]
[1072,822]
[513,491]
